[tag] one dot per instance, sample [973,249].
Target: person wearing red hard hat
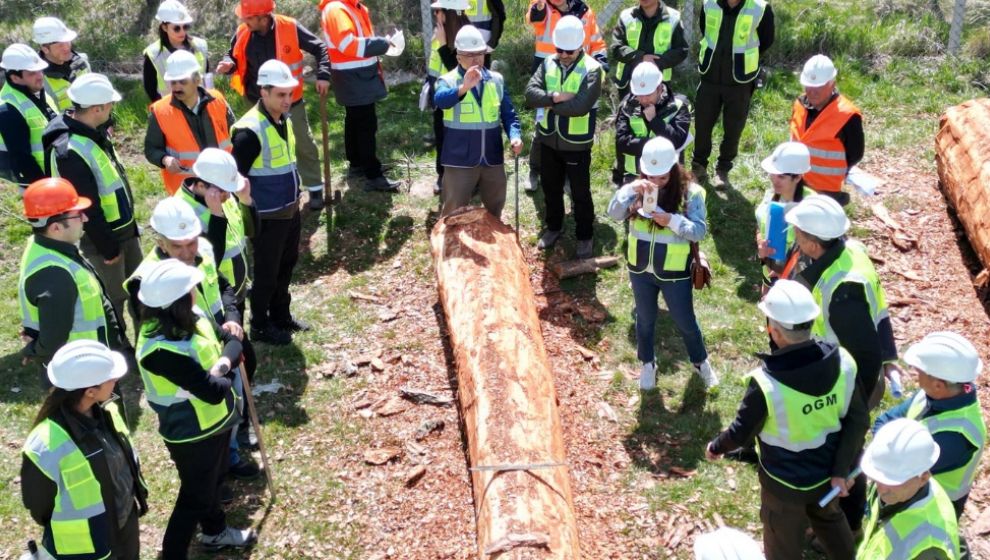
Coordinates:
[55,278]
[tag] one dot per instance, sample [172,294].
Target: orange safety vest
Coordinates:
[286,50]
[346,28]
[180,142]
[593,42]
[828,155]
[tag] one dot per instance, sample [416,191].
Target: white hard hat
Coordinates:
[819,215]
[659,155]
[22,57]
[646,78]
[175,220]
[568,35]
[818,71]
[458,5]
[789,303]
[173,11]
[52,30]
[726,543]
[167,281]
[219,168]
[470,40]
[276,73]
[81,364]
[901,450]
[947,356]
[92,89]
[180,65]
[789,157]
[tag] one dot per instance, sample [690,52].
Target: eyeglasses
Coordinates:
[177,28]
[66,218]
[470,54]
[562,51]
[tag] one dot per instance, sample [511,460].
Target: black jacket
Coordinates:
[20,166]
[186,372]
[149,74]
[199,123]
[75,169]
[620,51]
[676,130]
[247,148]
[720,70]
[90,435]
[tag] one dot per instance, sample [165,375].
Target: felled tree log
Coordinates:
[962,152]
[522,493]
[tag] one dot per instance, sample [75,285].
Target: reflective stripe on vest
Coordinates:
[467,114]
[274,181]
[88,316]
[339,60]
[852,265]
[925,524]
[662,36]
[544,47]
[34,117]
[800,422]
[967,422]
[286,50]
[479,15]
[828,154]
[630,162]
[745,40]
[56,88]
[435,66]
[115,200]
[180,142]
[579,129]
[646,231]
[207,291]
[182,417]
[235,243]
[158,55]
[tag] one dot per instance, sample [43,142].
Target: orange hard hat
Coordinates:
[248,8]
[45,198]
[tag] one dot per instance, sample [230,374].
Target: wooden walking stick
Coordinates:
[249,397]
[327,182]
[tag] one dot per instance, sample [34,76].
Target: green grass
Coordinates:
[890,63]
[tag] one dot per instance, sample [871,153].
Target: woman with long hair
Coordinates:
[187,366]
[174,22]
[667,213]
[80,475]
[786,167]
[448,18]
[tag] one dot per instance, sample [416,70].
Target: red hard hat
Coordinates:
[45,198]
[248,8]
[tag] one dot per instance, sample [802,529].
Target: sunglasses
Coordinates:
[177,28]
[562,51]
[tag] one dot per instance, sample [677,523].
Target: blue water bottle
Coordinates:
[777,231]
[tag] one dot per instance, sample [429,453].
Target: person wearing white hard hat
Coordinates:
[565,89]
[264,148]
[78,148]
[734,36]
[188,369]
[910,516]
[358,84]
[476,109]
[25,110]
[651,109]
[726,543]
[807,414]
[80,473]
[187,120]
[174,21]
[64,63]
[652,32]
[947,367]
[786,167]
[854,315]
[666,213]
[830,125]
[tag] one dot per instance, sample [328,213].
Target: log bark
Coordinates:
[567,269]
[506,392]
[962,152]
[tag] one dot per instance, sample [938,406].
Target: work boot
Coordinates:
[548,239]
[722,179]
[293,325]
[585,248]
[533,184]
[648,376]
[316,200]
[707,374]
[700,174]
[355,171]
[382,183]
[245,469]
[270,334]
[228,537]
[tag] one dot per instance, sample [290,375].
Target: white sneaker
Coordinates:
[648,376]
[707,374]
[229,537]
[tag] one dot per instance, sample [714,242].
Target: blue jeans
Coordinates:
[679,297]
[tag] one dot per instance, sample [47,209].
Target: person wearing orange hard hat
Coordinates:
[264,35]
[55,278]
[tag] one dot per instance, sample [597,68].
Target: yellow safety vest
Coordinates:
[853,265]
[35,119]
[115,197]
[467,114]
[927,523]
[274,178]
[745,40]
[158,54]
[647,239]
[235,243]
[662,36]
[579,129]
